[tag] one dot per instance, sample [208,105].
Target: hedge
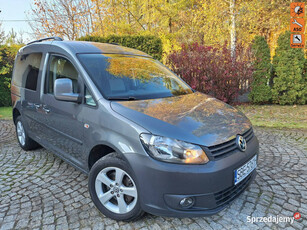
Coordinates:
[289,83]
[7,57]
[260,88]
[211,70]
[149,44]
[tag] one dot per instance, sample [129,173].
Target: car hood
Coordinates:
[195,118]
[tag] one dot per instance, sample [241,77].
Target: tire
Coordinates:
[114,202]
[25,142]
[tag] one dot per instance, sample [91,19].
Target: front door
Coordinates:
[64,125]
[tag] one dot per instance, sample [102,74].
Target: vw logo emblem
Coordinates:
[241,143]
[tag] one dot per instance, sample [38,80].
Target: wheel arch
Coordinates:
[16,114]
[100,150]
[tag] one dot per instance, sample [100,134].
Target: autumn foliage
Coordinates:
[212,71]
[65,18]
[175,22]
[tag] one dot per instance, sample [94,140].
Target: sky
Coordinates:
[13,15]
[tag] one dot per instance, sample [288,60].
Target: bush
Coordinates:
[212,71]
[260,89]
[7,57]
[289,83]
[149,44]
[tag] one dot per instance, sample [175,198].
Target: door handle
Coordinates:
[46,109]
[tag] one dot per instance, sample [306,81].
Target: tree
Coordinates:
[65,18]
[289,83]
[262,17]
[233,39]
[118,17]
[175,21]
[7,57]
[14,38]
[2,34]
[260,89]
[131,16]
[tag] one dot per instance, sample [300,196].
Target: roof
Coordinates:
[91,47]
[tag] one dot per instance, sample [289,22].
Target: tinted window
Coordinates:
[60,67]
[126,77]
[26,70]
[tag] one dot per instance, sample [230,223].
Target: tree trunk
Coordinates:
[233,30]
[169,20]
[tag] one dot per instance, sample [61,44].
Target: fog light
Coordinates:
[187,202]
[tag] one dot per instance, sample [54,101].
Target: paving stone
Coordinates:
[7,226]
[40,191]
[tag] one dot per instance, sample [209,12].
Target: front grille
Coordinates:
[222,150]
[227,195]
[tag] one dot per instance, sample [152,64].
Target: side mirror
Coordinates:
[63,91]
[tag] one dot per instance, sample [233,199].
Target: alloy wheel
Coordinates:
[116,190]
[21,133]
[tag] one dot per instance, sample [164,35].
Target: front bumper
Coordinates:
[162,185]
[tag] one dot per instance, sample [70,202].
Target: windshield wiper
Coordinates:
[122,98]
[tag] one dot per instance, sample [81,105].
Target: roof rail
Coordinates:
[44,39]
[113,43]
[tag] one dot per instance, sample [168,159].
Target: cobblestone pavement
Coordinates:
[40,191]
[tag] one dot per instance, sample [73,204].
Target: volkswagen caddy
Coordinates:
[148,142]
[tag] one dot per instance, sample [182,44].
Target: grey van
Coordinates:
[148,142]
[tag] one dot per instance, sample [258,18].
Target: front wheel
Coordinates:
[113,189]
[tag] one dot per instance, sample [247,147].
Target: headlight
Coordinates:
[171,150]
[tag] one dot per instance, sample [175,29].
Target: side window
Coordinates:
[89,100]
[60,67]
[26,70]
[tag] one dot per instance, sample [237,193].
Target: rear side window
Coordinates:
[60,67]
[26,70]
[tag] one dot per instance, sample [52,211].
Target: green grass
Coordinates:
[277,116]
[6,113]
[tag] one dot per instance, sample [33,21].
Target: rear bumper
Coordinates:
[162,185]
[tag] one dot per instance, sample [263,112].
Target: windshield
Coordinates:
[126,77]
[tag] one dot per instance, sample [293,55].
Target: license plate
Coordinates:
[245,170]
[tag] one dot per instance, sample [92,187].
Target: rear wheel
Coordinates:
[25,142]
[113,189]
